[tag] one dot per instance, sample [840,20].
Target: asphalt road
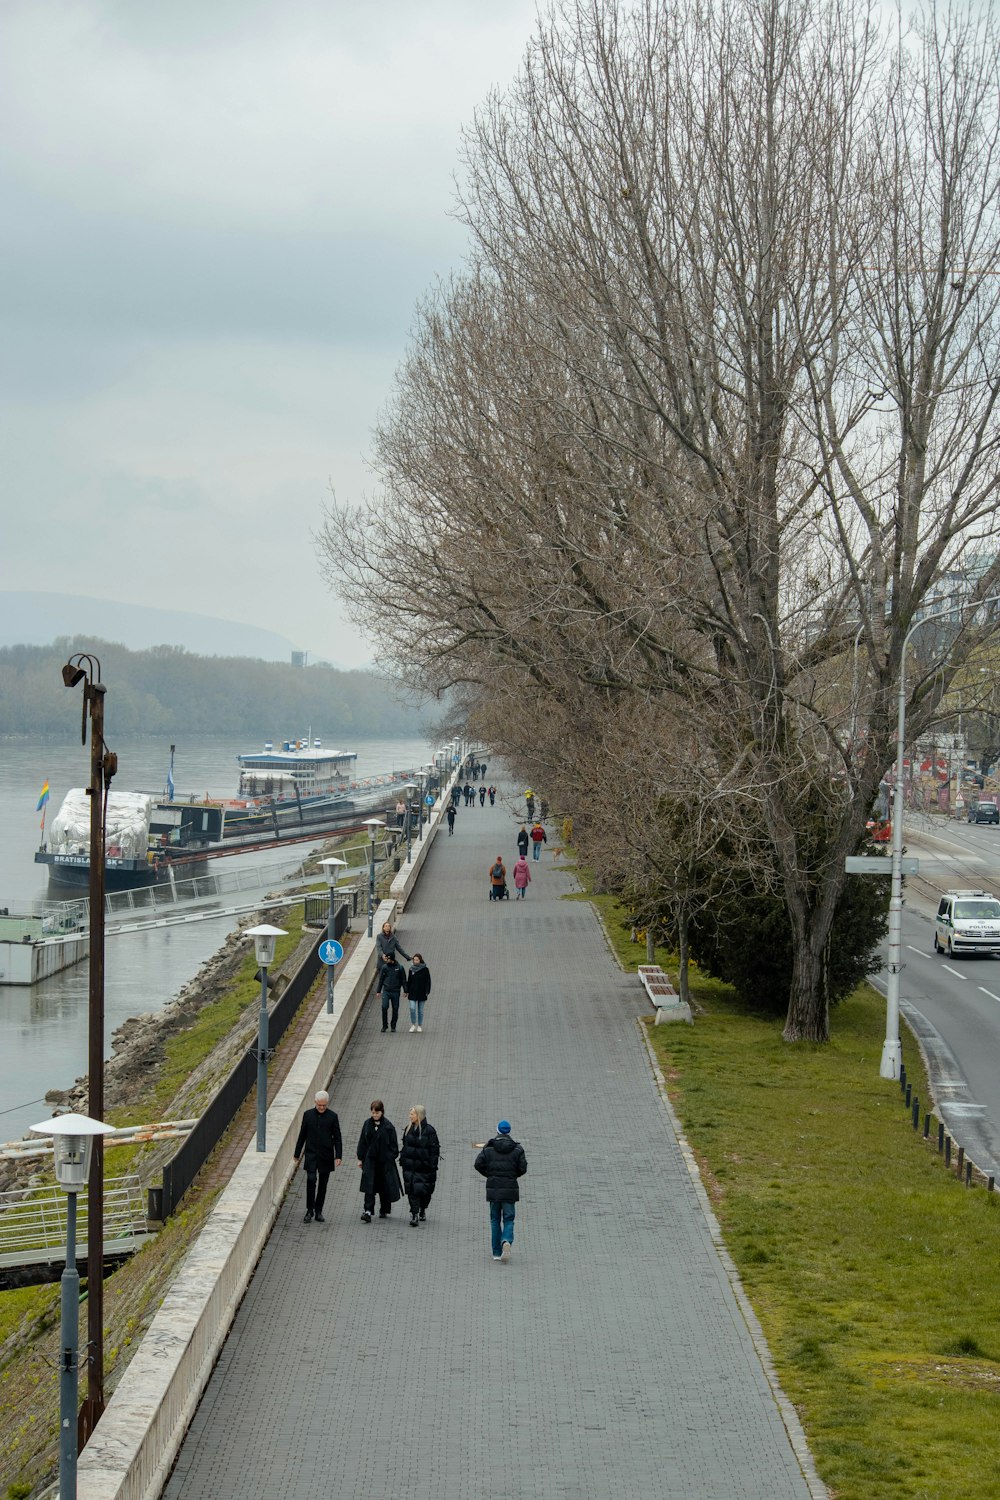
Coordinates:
[954,1005]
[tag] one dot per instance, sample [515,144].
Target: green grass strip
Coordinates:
[872,1270]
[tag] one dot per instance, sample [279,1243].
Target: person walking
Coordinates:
[400,813]
[319,1133]
[523,840]
[529,802]
[522,877]
[498,879]
[493,796]
[450,815]
[378,1148]
[456,792]
[387,942]
[537,840]
[419,1153]
[502,1161]
[418,989]
[482,796]
[391,983]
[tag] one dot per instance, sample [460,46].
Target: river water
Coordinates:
[43,1027]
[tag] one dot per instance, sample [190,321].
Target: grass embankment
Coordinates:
[872,1270]
[29,1317]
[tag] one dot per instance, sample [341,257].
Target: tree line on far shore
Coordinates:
[168,690]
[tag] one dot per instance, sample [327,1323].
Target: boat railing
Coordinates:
[33,1222]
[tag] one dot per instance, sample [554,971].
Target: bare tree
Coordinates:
[722,387]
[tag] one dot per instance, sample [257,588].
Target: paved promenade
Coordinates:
[370,1362]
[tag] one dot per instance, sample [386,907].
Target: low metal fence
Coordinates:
[182,1169]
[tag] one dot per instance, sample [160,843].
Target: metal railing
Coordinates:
[33,1223]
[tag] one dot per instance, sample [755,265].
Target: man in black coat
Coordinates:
[502,1161]
[319,1133]
[391,980]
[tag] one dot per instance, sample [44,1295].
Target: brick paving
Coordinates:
[609,1357]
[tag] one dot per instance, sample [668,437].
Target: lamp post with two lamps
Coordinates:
[73,1138]
[373,825]
[265,938]
[422,778]
[331,866]
[82,667]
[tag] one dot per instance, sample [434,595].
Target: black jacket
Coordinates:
[391,979]
[502,1161]
[386,945]
[377,1152]
[523,841]
[418,986]
[320,1134]
[418,1158]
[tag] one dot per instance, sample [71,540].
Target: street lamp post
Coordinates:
[409,789]
[422,777]
[82,667]
[891,1048]
[265,938]
[373,825]
[331,866]
[73,1138]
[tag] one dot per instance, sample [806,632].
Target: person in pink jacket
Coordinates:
[522,876]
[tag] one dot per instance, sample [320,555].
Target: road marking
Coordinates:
[954,971]
[990,993]
[921,951]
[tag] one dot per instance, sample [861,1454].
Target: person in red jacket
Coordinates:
[537,840]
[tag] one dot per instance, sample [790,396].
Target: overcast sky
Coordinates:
[216,217]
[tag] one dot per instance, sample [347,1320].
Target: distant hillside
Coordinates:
[36,619]
[169,691]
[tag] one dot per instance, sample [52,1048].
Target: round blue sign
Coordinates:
[330,951]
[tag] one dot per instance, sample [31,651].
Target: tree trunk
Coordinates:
[683,951]
[808,1018]
[650,944]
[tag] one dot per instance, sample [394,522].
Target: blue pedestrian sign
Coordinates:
[330,951]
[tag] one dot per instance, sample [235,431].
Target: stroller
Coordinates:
[498,892]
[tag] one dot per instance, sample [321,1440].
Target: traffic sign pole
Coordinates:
[330,953]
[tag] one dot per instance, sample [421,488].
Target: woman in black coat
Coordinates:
[418,987]
[378,1148]
[418,1158]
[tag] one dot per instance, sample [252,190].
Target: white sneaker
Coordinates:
[505,1251]
[414,1028]
[420,1028]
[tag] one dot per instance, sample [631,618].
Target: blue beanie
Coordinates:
[504,1127]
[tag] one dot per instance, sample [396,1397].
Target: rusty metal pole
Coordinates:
[93,1404]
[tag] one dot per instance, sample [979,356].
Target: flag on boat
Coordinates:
[43,797]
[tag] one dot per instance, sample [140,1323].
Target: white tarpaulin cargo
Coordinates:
[127,828]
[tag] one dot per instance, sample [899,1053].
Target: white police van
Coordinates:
[967,922]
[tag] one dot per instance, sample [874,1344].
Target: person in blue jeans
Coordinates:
[419,987]
[502,1161]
